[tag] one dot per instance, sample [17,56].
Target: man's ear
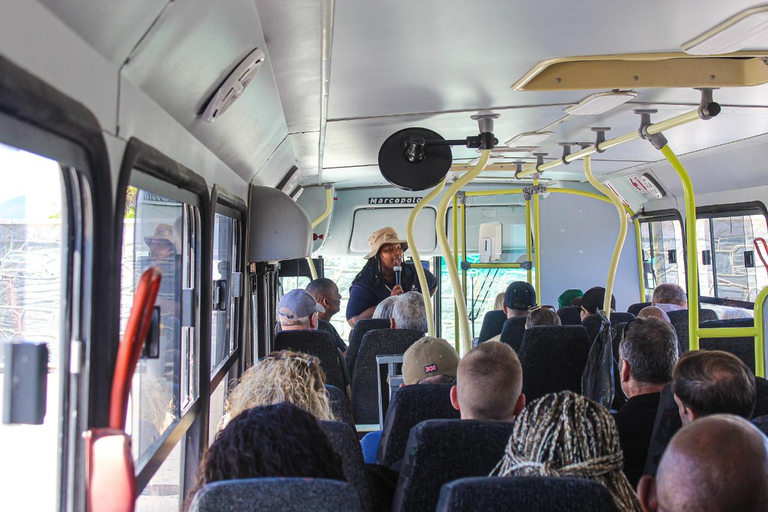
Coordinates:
[646,491]
[313,320]
[625,370]
[455,398]
[392,323]
[520,405]
[504,308]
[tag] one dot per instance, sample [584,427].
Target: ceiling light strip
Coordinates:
[326,30]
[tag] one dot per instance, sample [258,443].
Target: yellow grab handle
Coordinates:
[692,251]
[442,240]
[316,222]
[415,253]
[622,231]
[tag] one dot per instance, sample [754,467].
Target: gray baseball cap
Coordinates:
[298,304]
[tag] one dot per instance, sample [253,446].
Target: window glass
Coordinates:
[158,231]
[730,238]
[224,310]
[31,255]
[483,285]
[705,258]
[218,405]
[163,492]
[512,219]
[663,255]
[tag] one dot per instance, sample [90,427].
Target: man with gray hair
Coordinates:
[648,355]
[409,312]
[669,297]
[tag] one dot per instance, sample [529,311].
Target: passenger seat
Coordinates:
[493,323]
[356,338]
[321,345]
[512,332]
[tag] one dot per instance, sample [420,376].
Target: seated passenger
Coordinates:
[326,293]
[489,383]
[279,440]
[298,311]
[377,280]
[568,296]
[654,312]
[669,297]
[498,304]
[384,309]
[717,464]
[518,299]
[430,361]
[648,355]
[593,300]
[542,315]
[409,313]
[713,382]
[282,376]
[564,434]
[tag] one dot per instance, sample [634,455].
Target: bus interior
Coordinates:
[245,147]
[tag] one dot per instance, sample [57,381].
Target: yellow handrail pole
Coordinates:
[537,240]
[528,244]
[463,234]
[692,250]
[501,192]
[640,268]
[622,231]
[417,259]
[455,211]
[458,293]
[316,222]
[652,130]
[760,335]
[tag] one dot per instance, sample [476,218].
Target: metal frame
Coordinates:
[178,182]
[659,216]
[45,121]
[225,203]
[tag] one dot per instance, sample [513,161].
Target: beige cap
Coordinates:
[383,236]
[162,232]
[429,357]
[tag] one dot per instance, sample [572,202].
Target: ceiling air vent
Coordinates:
[234,86]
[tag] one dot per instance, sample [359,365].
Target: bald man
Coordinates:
[718,463]
[654,312]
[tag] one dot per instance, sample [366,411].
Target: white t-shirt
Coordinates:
[668,307]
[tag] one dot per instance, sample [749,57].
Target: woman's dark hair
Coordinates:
[373,268]
[279,440]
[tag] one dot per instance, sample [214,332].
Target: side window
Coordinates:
[663,254]
[226,305]
[732,268]
[31,292]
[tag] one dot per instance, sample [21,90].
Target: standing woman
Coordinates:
[377,281]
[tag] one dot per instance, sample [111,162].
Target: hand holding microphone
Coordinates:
[398,269]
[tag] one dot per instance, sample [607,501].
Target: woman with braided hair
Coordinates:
[565,434]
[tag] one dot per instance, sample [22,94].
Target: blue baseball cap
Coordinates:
[520,295]
[298,304]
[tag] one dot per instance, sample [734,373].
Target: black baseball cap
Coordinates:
[593,300]
[520,295]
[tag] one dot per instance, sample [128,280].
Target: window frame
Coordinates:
[670,214]
[173,180]
[718,211]
[230,205]
[38,118]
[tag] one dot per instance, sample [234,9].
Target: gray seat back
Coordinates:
[512,333]
[339,404]
[637,307]
[356,338]
[319,344]
[553,358]
[493,323]
[410,406]
[679,321]
[365,384]
[510,494]
[743,348]
[284,494]
[440,451]
[570,315]
[344,440]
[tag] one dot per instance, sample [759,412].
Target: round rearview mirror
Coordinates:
[407,161]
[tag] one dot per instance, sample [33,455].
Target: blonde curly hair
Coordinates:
[283,376]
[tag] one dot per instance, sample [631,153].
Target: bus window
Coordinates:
[663,255]
[727,238]
[225,311]
[163,492]
[218,404]
[159,231]
[31,257]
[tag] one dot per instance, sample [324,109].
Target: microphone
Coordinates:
[397,269]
